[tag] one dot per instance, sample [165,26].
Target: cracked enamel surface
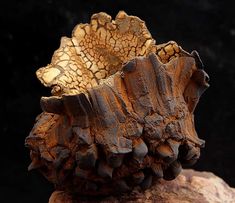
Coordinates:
[98,50]
[95,51]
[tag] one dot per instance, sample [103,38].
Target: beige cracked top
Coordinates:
[98,50]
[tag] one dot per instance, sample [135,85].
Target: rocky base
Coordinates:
[190,186]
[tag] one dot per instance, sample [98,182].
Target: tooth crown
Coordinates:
[96,51]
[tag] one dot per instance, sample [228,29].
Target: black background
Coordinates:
[30,32]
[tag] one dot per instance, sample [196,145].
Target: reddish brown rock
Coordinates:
[189,187]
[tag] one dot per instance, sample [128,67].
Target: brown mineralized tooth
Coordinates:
[172,171]
[140,149]
[147,182]
[138,177]
[104,170]
[157,170]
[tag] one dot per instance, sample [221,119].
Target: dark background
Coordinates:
[30,32]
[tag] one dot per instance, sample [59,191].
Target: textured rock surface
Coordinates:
[189,187]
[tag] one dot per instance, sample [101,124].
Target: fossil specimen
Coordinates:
[121,112]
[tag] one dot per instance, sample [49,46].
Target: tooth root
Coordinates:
[172,171]
[147,182]
[104,170]
[157,170]
[140,150]
[138,177]
[165,152]
[34,165]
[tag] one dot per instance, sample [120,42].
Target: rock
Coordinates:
[189,187]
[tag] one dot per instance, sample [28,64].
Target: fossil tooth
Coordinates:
[121,110]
